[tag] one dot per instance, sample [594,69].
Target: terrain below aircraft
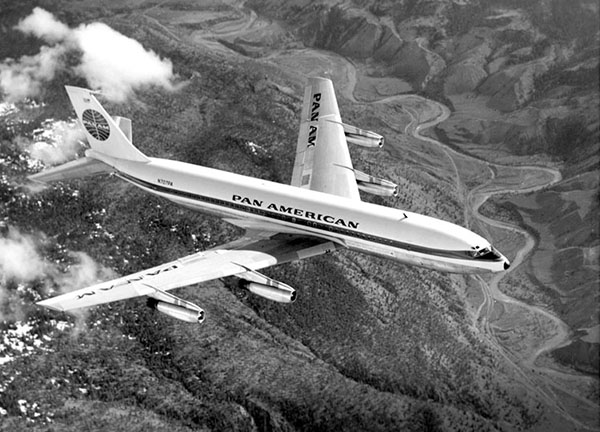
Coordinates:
[319,212]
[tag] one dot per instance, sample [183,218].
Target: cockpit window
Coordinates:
[486,254]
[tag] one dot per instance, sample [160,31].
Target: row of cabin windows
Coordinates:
[332,228]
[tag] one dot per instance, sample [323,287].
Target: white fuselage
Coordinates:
[403,236]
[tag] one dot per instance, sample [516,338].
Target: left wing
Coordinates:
[240,258]
[322,158]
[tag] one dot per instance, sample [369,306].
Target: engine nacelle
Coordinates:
[271,289]
[362,137]
[375,185]
[377,189]
[282,293]
[365,140]
[188,312]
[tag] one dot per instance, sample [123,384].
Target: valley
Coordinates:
[367,344]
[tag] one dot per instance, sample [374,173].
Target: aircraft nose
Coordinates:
[506,265]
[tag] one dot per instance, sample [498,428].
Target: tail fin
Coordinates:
[105,135]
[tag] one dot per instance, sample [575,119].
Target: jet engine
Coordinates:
[361,137]
[271,289]
[375,185]
[278,294]
[188,312]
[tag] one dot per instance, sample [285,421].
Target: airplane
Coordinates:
[319,212]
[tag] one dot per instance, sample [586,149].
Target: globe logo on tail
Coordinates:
[95,124]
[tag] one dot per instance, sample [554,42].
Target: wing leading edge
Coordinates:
[322,158]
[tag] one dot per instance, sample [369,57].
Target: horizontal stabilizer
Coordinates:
[82,167]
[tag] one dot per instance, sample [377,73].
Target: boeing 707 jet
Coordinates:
[319,212]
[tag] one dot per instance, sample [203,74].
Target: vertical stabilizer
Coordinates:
[103,133]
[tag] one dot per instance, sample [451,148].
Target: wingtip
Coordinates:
[319,78]
[48,303]
[75,89]
[37,178]
[69,89]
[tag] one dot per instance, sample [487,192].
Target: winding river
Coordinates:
[474,200]
[539,380]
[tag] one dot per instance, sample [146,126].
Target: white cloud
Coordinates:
[111,62]
[84,272]
[25,77]
[58,143]
[19,259]
[42,24]
[117,64]
[21,262]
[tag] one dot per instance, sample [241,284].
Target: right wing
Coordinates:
[250,253]
[322,158]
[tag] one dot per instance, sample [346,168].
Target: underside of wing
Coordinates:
[240,257]
[322,158]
